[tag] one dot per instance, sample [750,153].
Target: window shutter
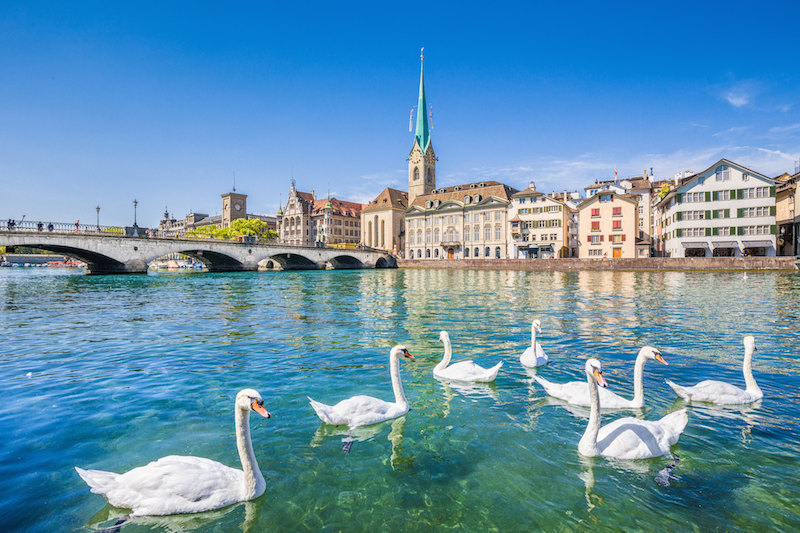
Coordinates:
[589,238]
[715,214]
[733,194]
[739,230]
[715,195]
[623,237]
[680,198]
[739,194]
[708,196]
[715,231]
[708,232]
[772,191]
[772,210]
[773,229]
[678,232]
[708,215]
[739,213]
[601,238]
[680,216]
[733,231]
[727,213]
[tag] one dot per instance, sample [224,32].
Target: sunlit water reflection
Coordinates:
[113,372]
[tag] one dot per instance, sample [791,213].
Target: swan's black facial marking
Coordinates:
[408,354]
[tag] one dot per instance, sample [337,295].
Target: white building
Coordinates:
[724,211]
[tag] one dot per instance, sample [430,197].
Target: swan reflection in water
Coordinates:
[743,412]
[451,389]
[176,523]
[365,433]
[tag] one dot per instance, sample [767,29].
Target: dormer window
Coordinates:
[723,173]
[467,199]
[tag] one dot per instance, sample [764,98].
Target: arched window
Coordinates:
[416,174]
[375,235]
[419,254]
[723,173]
[466,252]
[436,253]
[429,176]
[383,234]
[369,233]
[497,252]
[486,252]
[476,253]
[428,254]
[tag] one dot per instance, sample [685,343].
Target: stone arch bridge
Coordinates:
[104,254]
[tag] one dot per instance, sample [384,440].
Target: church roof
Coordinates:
[422,134]
[388,199]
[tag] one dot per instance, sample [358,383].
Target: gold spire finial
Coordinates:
[420,53]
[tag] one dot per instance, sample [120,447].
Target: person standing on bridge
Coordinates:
[77,224]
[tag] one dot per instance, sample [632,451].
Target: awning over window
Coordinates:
[757,244]
[694,244]
[724,244]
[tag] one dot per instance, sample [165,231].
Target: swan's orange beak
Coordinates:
[260,410]
[599,377]
[661,359]
[408,354]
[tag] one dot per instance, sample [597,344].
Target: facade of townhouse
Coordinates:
[724,211]
[608,226]
[541,226]
[787,215]
[461,222]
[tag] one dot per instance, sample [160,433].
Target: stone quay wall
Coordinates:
[644,263]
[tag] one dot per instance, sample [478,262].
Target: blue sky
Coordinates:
[103,103]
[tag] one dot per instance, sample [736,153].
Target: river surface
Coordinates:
[113,372]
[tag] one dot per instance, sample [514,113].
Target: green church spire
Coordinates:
[422,134]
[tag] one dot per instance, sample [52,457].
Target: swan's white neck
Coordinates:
[533,338]
[747,370]
[638,381]
[397,385]
[254,484]
[588,443]
[448,353]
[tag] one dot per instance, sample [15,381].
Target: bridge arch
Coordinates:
[96,263]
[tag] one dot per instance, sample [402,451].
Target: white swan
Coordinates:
[534,354]
[577,392]
[626,438]
[720,392]
[365,410]
[466,371]
[177,484]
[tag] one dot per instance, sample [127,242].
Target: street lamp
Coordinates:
[98,218]
[135,226]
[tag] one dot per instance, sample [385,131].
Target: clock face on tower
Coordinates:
[237,207]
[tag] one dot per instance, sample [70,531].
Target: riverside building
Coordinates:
[724,211]
[608,226]
[541,226]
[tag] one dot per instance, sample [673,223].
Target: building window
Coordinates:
[617,212]
[486,252]
[497,233]
[596,225]
[497,215]
[693,197]
[436,253]
[596,212]
[616,224]
[427,254]
[476,253]
[617,238]
[428,237]
[641,209]
[436,237]
[723,173]
[466,252]
[497,252]
[745,177]
[466,235]
[595,239]
[596,251]
[724,195]
[606,197]
[416,174]
[487,234]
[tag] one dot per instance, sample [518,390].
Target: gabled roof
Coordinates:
[723,161]
[596,198]
[388,199]
[338,207]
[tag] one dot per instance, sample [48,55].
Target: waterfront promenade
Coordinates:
[648,263]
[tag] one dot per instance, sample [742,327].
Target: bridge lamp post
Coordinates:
[98,218]
[135,226]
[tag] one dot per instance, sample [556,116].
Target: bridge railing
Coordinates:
[37,226]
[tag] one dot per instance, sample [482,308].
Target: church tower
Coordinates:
[422,159]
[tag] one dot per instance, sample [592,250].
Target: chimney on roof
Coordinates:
[532,186]
[565,195]
[313,196]
[651,174]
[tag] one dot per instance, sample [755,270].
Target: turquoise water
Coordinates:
[113,372]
